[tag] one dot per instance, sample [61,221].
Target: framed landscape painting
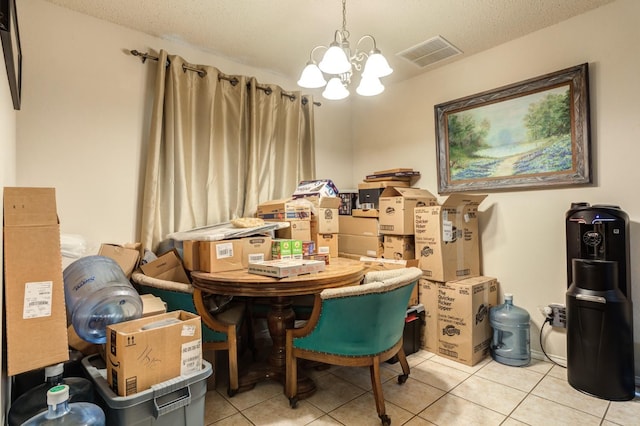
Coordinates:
[531,134]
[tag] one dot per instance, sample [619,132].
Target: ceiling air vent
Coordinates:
[430,51]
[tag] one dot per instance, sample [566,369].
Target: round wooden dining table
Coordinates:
[279,293]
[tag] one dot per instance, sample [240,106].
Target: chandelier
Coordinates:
[340,65]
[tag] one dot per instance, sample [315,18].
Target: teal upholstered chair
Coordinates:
[219,332]
[355,326]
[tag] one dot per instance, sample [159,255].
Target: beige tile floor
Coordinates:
[438,392]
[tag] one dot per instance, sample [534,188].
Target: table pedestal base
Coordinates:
[280,317]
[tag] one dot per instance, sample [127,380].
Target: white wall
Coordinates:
[83,126]
[523,236]
[7,178]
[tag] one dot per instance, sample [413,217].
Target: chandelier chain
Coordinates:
[344,16]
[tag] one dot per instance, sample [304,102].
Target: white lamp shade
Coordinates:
[376,66]
[335,60]
[311,77]
[369,86]
[335,90]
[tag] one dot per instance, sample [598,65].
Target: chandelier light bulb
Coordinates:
[311,77]
[335,60]
[377,65]
[335,90]
[369,86]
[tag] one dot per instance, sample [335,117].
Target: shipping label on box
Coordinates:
[447,242]
[151,350]
[220,256]
[396,208]
[464,331]
[353,225]
[399,247]
[33,284]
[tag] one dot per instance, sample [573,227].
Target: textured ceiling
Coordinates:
[278,34]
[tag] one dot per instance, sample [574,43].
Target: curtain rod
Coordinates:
[232,80]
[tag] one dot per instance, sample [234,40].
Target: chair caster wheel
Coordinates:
[293,402]
[402,378]
[231,392]
[386,420]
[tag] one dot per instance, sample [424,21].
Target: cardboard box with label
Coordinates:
[33,285]
[127,258]
[362,245]
[464,331]
[399,247]
[282,268]
[284,209]
[428,295]
[326,243]
[396,208]
[446,238]
[151,350]
[234,254]
[324,220]
[353,225]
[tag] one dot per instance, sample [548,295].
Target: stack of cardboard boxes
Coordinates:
[456,298]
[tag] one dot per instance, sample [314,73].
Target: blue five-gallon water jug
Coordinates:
[61,412]
[510,344]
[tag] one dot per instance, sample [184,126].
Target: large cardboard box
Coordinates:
[255,249]
[428,295]
[284,209]
[353,225]
[371,246]
[220,256]
[399,247]
[326,243]
[167,267]
[151,350]
[325,217]
[396,208]
[35,314]
[127,258]
[234,254]
[464,331]
[446,238]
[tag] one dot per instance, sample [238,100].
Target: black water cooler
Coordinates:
[600,359]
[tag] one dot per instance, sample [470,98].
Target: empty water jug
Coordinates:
[61,412]
[510,344]
[34,401]
[97,294]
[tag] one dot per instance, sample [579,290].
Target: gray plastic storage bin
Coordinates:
[176,402]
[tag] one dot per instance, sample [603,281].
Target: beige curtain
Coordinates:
[218,146]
